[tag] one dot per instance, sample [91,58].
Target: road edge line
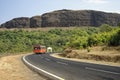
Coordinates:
[57,77]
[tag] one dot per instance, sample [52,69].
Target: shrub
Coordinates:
[105,28]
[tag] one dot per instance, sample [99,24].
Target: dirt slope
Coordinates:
[12,68]
[97,55]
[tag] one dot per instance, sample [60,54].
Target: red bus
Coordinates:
[38,49]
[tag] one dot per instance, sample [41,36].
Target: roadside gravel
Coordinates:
[12,68]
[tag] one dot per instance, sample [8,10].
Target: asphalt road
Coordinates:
[70,70]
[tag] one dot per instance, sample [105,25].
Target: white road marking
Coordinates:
[41,69]
[62,63]
[101,70]
[47,59]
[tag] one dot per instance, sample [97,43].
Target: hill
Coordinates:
[65,18]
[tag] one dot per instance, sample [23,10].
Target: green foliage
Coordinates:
[12,41]
[92,30]
[105,28]
[119,24]
[78,42]
[115,39]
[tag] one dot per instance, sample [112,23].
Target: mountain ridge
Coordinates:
[65,18]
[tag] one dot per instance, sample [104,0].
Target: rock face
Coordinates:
[79,18]
[22,22]
[65,18]
[35,22]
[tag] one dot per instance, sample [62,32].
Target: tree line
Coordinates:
[77,38]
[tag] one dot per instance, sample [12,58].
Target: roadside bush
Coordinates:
[78,38]
[105,28]
[115,39]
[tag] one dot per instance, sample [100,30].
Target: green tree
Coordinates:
[115,39]
[105,28]
[119,24]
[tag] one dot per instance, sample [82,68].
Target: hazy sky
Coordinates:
[10,9]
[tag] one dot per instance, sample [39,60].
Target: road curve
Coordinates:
[59,69]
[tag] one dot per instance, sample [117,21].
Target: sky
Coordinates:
[10,9]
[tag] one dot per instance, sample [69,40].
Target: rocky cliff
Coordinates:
[65,18]
[22,22]
[35,21]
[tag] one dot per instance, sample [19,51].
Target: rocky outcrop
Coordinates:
[22,22]
[35,22]
[99,18]
[79,18]
[65,18]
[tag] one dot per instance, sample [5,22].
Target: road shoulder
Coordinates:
[12,68]
[56,55]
